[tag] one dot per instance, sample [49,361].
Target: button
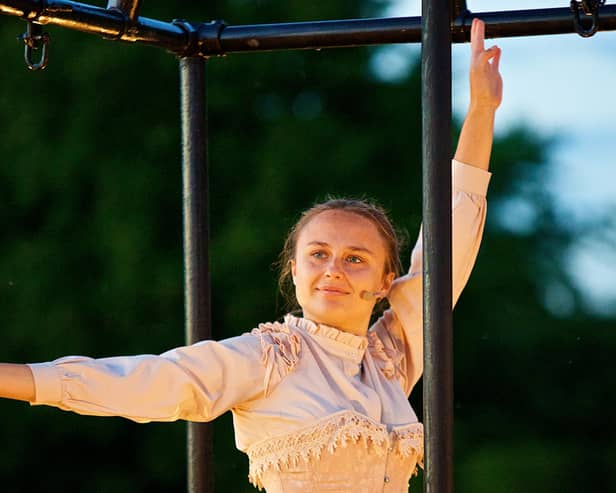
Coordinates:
[386,479]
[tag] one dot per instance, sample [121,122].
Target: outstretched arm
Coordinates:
[486,85]
[197,382]
[16,382]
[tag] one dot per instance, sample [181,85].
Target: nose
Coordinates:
[333,269]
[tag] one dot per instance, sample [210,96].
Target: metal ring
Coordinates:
[590,8]
[34,39]
[190,48]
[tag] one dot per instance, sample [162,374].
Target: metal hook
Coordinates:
[34,38]
[590,8]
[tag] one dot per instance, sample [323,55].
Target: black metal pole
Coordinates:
[458,8]
[115,23]
[438,341]
[459,16]
[196,249]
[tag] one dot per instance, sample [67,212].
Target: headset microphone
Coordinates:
[370,295]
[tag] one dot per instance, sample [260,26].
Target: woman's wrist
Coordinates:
[482,109]
[16,382]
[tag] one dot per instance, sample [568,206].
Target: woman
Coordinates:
[319,401]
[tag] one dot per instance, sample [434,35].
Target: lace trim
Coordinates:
[281,351]
[309,443]
[408,441]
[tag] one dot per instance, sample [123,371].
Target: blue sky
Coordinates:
[557,85]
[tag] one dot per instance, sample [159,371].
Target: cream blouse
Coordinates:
[316,409]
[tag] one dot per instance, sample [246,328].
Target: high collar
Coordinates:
[336,341]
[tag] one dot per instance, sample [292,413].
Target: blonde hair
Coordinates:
[364,208]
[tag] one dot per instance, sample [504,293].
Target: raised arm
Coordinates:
[16,382]
[486,86]
[401,328]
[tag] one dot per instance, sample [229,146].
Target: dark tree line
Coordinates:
[90,250]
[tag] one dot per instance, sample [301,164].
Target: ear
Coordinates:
[293,270]
[388,280]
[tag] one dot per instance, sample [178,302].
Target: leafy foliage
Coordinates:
[91,250]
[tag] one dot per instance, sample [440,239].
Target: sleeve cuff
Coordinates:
[470,179]
[47,383]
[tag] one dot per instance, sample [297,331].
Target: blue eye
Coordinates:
[320,254]
[354,259]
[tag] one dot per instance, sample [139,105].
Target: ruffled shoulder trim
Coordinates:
[280,352]
[328,434]
[390,358]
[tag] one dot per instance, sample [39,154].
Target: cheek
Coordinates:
[365,270]
[302,271]
[301,283]
[307,275]
[299,272]
[305,266]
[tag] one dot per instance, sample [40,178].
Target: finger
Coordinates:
[477,36]
[496,60]
[488,55]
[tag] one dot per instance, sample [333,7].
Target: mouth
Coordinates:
[332,290]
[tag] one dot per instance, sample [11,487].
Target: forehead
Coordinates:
[338,227]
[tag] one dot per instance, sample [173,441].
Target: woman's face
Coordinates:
[339,255]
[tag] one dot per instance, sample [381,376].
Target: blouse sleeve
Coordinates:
[197,383]
[401,328]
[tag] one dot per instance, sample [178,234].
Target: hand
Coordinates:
[485,80]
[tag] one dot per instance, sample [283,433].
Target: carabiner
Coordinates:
[590,8]
[34,39]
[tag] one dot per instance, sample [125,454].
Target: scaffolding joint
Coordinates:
[129,8]
[203,39]
[208,38]
[587,8]
[461,26]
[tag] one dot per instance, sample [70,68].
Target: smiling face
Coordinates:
[339,255]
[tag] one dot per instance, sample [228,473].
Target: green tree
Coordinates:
[91,249]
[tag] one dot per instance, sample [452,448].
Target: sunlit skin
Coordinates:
[486,84]
[338,256]
[342,271]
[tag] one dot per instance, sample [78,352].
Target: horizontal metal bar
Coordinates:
[535,22]
[111,24]
[190,39]
[322,34]
[362,32]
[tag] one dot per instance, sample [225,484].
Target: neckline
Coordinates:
[342,343]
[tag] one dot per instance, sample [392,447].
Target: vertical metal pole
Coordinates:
[438,342]
[196,249]
[459,7]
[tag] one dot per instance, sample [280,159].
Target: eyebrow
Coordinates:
[352,248]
